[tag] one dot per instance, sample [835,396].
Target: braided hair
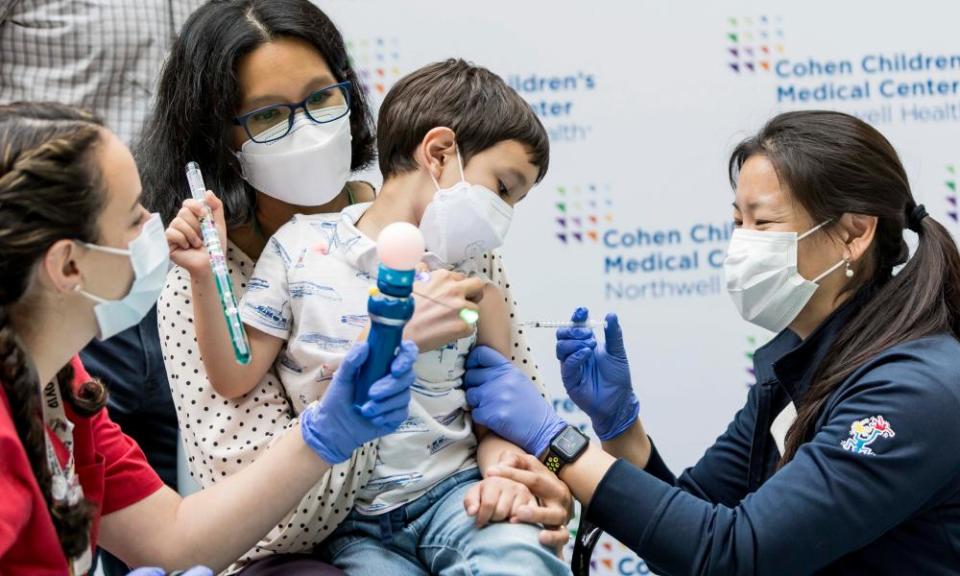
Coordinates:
[50,190]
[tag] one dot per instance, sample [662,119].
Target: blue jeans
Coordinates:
[434,535]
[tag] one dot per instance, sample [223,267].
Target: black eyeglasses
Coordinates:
[271,123]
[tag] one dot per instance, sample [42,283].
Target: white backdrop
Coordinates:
[644,101]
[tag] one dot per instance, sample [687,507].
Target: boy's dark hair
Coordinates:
[470,100]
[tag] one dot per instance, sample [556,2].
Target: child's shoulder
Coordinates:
[305,229]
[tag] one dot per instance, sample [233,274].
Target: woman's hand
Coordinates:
[436,318]
[553,506]
[334,428]
[185,237]
[597,376]
[504,400]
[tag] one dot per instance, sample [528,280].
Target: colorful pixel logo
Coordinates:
[753,43]
[951,184]
[581,212]
[377,63]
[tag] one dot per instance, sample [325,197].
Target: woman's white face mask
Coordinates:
[307,167]
[762,277]
[150,259]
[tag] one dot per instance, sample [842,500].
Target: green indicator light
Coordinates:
[469,316]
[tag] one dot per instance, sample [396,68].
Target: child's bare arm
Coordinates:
[493,330]
[226,376]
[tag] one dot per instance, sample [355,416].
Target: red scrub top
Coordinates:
[112,470]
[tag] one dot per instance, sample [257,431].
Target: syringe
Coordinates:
[561,324]
[218,264]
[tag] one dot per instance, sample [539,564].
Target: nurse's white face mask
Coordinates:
[762,277]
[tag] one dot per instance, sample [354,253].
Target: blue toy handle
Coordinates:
[388,316]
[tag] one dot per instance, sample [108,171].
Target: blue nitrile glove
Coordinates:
[334,428]
[195,571]
[504,400]
[597,376]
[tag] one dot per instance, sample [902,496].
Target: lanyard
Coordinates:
[64,485]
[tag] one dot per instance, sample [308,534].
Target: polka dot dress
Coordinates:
[222,436]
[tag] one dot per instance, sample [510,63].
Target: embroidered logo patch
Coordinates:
[865,432]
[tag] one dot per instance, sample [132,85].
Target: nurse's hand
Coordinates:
[504,400]
[334,428]
[597,376]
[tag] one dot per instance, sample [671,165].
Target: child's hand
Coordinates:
[185,238]
[496,499]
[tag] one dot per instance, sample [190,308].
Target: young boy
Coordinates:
[458,148]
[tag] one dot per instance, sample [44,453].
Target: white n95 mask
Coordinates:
[307,167]
[150,257]
[762,277]
[464,221]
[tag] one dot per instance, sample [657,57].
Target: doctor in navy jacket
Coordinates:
[845,458]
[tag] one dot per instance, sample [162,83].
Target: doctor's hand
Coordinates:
[504,400]
[334,428]
[597,376]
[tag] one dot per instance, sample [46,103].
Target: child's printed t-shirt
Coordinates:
[310,288]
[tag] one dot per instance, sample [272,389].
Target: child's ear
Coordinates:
[438,147]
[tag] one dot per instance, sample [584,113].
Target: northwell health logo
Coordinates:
[917,85]
[753,43]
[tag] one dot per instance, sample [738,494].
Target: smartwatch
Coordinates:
[565,448]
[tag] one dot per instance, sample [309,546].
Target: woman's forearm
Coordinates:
[219,524]
[584,475]
[633,445]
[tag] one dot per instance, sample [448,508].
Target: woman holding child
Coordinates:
[272,150]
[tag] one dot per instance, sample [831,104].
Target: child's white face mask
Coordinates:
[464,221]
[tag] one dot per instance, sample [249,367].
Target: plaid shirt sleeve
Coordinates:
[103,56]
[5,11]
